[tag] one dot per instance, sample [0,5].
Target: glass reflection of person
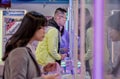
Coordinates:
[88,42]
[114,32]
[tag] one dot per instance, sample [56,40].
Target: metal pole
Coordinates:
[70,27]
[1,35]
[75,49]
[82,35]
[71,35]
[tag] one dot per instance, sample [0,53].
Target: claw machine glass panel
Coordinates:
[10,22]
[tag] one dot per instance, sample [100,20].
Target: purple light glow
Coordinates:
[98,38]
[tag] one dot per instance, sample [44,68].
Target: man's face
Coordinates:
[114,34]
[62,19]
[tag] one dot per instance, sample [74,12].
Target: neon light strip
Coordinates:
[1,36]
[98,38]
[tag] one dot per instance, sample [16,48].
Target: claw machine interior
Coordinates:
[10,20]
[73,67]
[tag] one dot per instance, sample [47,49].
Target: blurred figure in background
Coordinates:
[114,32]
[88,24]
[89,56]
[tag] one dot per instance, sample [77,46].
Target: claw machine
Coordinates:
[9,23]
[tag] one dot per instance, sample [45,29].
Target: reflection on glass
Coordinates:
[112,19]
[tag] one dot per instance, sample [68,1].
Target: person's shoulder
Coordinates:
[19,54]
[50,28]
[90,29]
[19,51]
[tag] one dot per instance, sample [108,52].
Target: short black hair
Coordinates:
[114,21]
[62,10]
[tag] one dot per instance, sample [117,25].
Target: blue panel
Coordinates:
[40,1]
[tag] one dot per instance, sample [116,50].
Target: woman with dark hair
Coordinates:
[89,42]
[19,57]
[114,32]
[88,25]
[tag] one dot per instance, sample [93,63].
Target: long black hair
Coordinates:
[89,24]
[31,22]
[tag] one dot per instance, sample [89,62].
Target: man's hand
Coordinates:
[63,56]
[50,67]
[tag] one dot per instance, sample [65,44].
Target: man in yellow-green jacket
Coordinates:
[48,50]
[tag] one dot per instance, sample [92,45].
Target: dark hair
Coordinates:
[89,24]
[60,10]
[114,21]
[31,22]
[87,12]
